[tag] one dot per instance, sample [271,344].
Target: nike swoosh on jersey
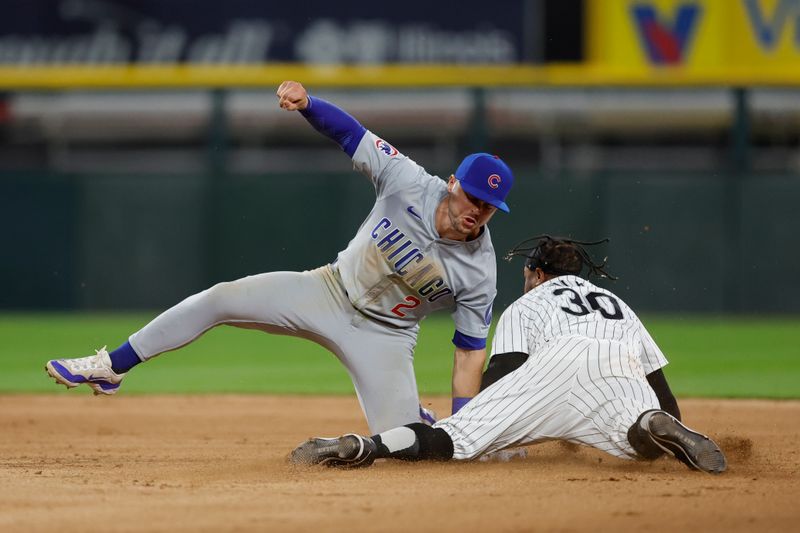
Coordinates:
[410,209]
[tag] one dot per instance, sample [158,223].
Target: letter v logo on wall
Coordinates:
[768,31]
[665,43]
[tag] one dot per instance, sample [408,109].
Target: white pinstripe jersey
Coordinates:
[572,306]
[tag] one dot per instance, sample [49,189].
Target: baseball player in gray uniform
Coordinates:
[570,361]
[424,246]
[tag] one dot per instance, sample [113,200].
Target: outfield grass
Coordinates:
[709,357]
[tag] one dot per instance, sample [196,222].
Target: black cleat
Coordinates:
[347,451]
[695,450]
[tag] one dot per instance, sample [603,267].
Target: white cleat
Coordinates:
[94,371]
[427,416]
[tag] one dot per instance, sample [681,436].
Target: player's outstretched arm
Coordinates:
[325,117]
[467,372]
[667,401]
[292,96]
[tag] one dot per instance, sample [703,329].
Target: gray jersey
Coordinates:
[569,305]
[397,269]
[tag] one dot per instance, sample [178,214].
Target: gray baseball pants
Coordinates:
[312,305]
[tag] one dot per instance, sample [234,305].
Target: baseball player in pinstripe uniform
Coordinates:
[570,361]
[424,246]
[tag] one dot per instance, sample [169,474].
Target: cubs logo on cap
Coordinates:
[487,178]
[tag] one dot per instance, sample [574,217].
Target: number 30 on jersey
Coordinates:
[610,310]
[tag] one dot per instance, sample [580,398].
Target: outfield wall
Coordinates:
[125,44]
[707,243]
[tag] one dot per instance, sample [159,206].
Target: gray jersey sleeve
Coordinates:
[387,168]
[511,334]
[473,312]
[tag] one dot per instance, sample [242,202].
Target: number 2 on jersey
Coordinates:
[413,302]
[593,299]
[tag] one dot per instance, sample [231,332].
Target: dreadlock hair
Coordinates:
[560,256]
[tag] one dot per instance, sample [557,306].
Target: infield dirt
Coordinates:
[72,462]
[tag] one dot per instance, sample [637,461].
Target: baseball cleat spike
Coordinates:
[694,449]
[347,451]
[56,380]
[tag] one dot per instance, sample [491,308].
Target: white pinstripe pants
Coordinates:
[583,390]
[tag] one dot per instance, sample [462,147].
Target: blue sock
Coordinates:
[124,358]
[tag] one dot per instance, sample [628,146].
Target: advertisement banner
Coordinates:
[738,36]
[56,44]
[244,32]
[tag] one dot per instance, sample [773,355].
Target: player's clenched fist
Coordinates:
[292,96]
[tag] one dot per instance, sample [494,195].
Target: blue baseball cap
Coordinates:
[487,178]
